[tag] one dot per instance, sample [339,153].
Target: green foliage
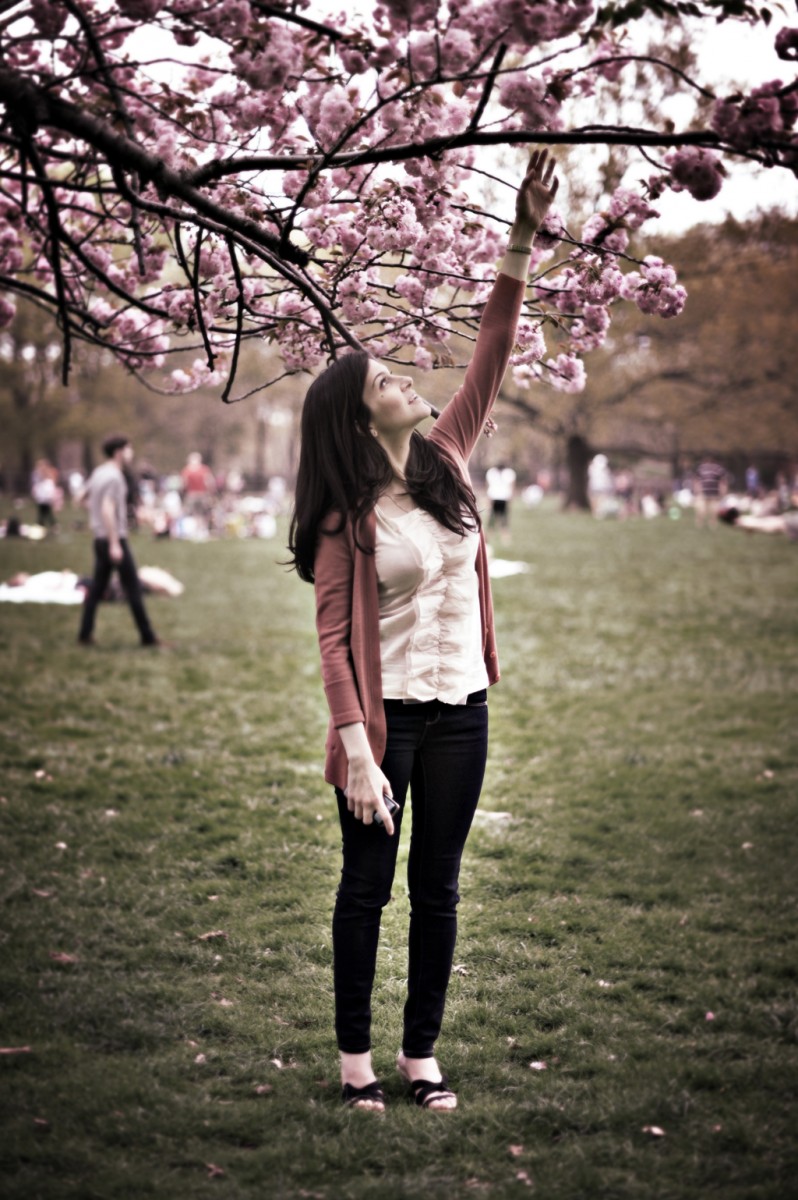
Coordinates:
[166,828]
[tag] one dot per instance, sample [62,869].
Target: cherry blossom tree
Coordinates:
[183,175]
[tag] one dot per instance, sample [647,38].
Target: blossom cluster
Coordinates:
[770,110]
[697,171]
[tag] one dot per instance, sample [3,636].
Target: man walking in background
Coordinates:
[106,495]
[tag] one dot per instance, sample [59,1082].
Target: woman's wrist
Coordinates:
[521,235]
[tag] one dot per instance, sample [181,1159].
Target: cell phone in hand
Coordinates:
[390,804]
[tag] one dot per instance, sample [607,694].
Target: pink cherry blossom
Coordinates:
[698,171]
[531,99]
[566,373]
[49,18]
[787,44]
[7,311]
[766,113]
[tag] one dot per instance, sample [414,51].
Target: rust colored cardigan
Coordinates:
[347,600]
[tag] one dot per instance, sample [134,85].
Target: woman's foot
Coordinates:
[428,1085]
[359,1086]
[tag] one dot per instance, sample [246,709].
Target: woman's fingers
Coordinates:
[541,168]
[387,819]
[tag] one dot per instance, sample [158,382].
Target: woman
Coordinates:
[386,526]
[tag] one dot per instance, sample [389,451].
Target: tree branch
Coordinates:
[431,147]
[41,109]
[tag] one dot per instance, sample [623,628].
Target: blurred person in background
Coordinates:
[711,485]
[45,492]
[198,486]
[500,482]
[106,495]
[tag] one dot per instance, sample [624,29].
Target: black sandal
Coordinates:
[426,1091]
[353,1097]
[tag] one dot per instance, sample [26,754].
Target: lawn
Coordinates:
[622,1019]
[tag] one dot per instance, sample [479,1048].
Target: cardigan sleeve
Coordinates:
[334,575]
[460,424]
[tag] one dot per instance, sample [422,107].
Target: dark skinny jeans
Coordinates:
[437,750]
[128,577]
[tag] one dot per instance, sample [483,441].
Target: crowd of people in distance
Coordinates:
[708,491]
[196,504]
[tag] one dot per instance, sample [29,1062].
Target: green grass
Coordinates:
[643,745]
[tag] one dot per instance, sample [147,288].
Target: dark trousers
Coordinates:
[438,751]
[128,577]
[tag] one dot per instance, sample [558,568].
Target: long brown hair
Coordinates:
[343,469]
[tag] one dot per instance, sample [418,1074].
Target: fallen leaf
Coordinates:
[225,1003]
[538,1066]
[654,1130]
[111,813]
[767,774]
[710,1016]
[61,846]
[63,959]
[459,969]
[747,846]
[524,1177]
[200,1060]
[516,1151]
[211,935]
[605,983]
[263,1089]
[42,893]
[40,774]
[276,1062]
[15,1049]
[214,1172]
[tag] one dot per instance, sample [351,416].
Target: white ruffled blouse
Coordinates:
[430,628]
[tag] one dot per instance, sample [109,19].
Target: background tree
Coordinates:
[180,176]
[39,417]
[718,379]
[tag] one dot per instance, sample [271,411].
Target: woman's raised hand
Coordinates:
[536,193]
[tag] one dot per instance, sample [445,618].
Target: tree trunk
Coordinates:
[578,454]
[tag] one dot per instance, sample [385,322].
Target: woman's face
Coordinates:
[392,400]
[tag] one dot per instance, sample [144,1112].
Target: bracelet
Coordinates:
[520,249]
